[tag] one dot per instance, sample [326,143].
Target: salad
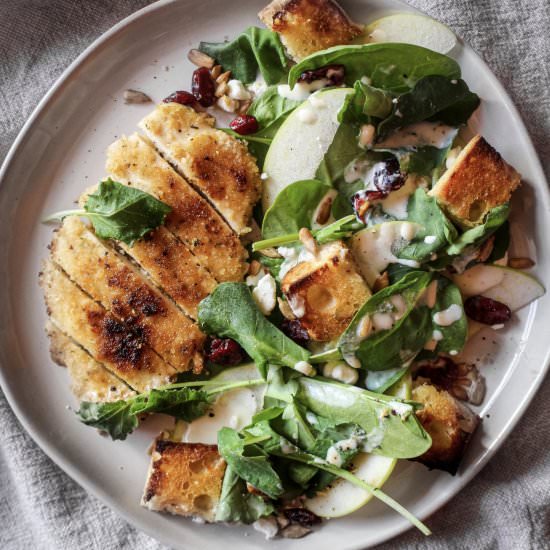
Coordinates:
[295,289]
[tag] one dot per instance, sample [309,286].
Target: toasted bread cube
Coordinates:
[308,26]
[326,292]
[478,181]
[184,479]
[450,424]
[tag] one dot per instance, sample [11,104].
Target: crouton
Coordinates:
[90,381]
[308,26]
[478,181]
[325,292]
[184,479]
[450,424]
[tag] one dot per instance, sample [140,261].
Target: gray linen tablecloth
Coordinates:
[506,507]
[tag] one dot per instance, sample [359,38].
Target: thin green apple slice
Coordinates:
[412,29]
[300,144]
[343,498]
[517,288]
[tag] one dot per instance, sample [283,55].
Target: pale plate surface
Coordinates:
[61,151]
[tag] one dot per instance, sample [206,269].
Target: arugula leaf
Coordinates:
[424,210]
[253,49]
[392,67]
[249,463]
[293,208]
[395,347]
[433,97]
[456,334]
[476,235]
[120,418]
[270,106]
[230,312]
[365,102]
[120,212]
[237,504]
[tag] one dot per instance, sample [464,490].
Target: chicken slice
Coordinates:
[90,381]
[133,161]
[120,288]
[121,347]
[215,163]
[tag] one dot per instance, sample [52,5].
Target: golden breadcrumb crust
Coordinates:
[478,181]
[308,26]
[184,479]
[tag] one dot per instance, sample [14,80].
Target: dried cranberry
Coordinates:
[301,516]
[224,351]
[333,73]
[203,87]
[244,125]
[295,331]
[387,176]
[181,97]
[486,310]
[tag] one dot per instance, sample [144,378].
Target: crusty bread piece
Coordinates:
[326,292]
[120,347]
[90,381]
[215,163]
[308,26]
[120,288]
[478,180]
[184,479]
[450,424]
[133,161]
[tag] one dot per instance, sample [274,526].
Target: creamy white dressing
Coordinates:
[374,438]
[396,203]
[317,102]
[402,409]
[448,316]
[301,90]
[259,86]
[333,457]
[430,239]
[292,257]
[376,379]
[434,134]
[307,115]
[452,155]
[437,335]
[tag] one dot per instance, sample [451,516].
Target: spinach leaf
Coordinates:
[253,49]
[380,381]
[395,347]
[392,67]
[501,244]
[433,97]
[121,418]
[437,230]
[423,161]
[270,106]
[237,504]
[120,212]
[293,208]
[476,235]
[230,312]
[397,435]
[343,149]
[364,103]
[454,336]
[249,463]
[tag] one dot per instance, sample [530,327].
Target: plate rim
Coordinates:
[78,476]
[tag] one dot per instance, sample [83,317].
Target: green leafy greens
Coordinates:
[230,312]
[254,49]
[364,103]
[453,336]
[120,212]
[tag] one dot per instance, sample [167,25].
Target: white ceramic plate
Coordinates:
[61,150]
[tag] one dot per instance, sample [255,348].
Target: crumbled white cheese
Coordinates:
[333,457]
[338,370]
[267,526]
[448,316]
[305,368]
[228,104]
[259,86]
[265,294]
[237,90]
[402,409]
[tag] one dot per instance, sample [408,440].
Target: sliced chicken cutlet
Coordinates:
[122,348]
[120,288]
[216,164]
[90,381]
[133,161]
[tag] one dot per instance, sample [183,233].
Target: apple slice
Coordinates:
[478,279]
[412,29]
[343,498]
[301,142]
[517,288]
[234,408]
